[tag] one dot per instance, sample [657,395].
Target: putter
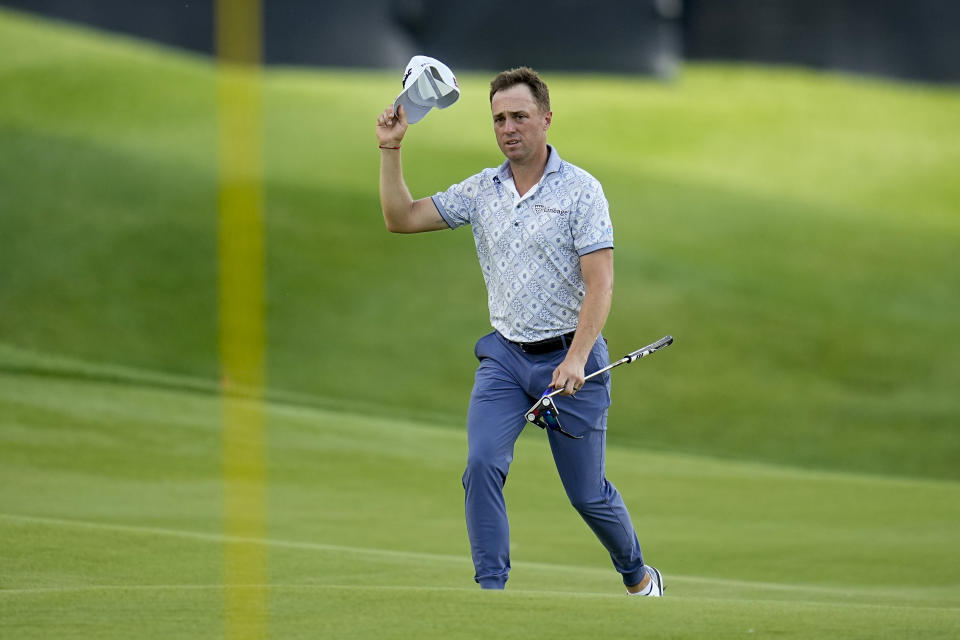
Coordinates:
[544,413]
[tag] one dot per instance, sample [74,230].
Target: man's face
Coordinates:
[520,126]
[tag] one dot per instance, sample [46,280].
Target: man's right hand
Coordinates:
[391,127]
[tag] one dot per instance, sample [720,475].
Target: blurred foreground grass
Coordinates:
[796,232]
[111,527]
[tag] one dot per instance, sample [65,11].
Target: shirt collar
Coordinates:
[553,164]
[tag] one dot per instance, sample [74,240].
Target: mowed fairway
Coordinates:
[110,527]
[791,462]
[796,232]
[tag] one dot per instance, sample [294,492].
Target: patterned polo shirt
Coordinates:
[529,248]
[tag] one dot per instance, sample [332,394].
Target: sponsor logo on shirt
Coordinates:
[539,208]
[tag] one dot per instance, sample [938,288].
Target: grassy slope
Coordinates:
[796,232]
[110,527]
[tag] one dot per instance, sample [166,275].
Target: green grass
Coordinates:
[796,232]
[110,524]
[790,462]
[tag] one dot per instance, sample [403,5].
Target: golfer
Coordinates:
[545,245]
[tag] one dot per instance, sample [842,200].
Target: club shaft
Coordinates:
[643,352]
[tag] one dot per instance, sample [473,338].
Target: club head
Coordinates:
[545,415]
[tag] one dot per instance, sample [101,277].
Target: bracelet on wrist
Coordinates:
[386,147]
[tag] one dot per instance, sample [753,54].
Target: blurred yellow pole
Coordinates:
[238,37]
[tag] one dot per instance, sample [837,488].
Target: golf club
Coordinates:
[544,412]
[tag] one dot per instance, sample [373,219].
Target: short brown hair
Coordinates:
[523,75]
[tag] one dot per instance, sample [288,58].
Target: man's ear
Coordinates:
[548,117]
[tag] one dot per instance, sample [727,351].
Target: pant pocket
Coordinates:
[599,358]
[480,349]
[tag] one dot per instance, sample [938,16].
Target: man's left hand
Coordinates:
[569,376]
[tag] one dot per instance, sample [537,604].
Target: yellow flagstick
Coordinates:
[238,29]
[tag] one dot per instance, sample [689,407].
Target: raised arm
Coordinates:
[401,213]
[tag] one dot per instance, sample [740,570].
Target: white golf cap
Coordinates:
[427,83]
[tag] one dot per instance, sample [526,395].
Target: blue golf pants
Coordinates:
[508,382]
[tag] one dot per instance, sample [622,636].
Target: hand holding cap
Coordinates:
[391,127]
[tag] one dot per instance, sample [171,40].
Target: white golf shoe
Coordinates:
[655,587]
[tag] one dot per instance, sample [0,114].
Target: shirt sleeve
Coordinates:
[590,222]
[458,203]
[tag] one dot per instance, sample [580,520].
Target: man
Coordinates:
[545,245]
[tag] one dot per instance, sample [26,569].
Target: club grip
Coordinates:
[665,341]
